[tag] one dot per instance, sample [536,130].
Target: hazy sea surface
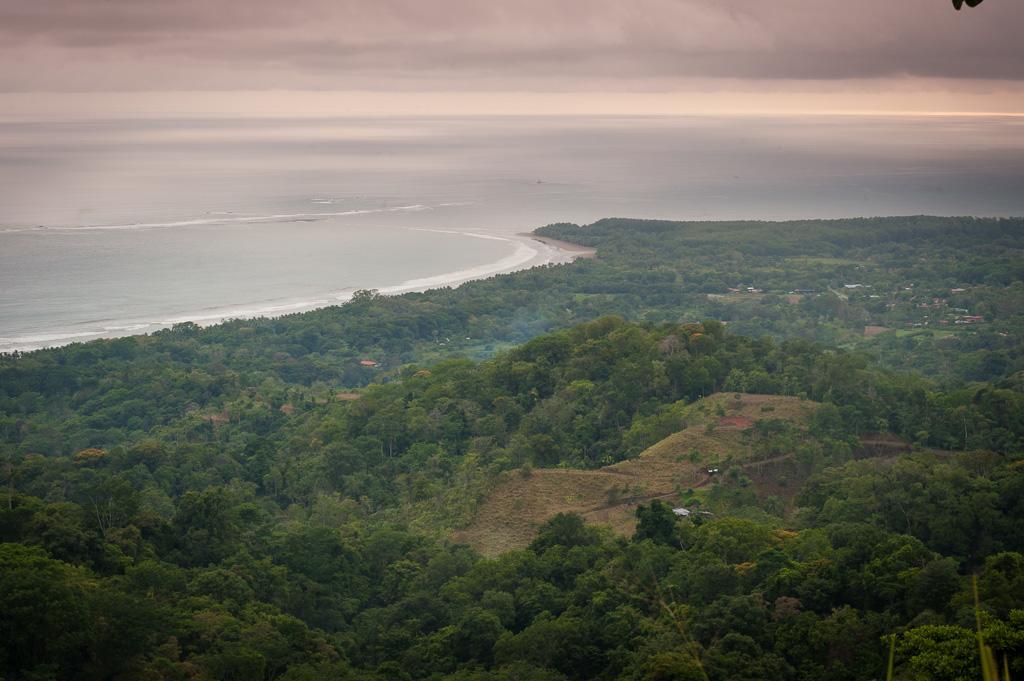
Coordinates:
[116,227]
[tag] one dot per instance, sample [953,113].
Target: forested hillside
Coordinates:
[941,295]
[250,501]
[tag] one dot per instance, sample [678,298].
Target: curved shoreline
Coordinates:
[577,250]
[530,251]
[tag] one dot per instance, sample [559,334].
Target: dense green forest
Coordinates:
[249,501]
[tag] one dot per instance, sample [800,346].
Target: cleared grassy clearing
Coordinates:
[509,517]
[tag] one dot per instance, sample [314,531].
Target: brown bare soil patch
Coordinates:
[870,331]
[741,422]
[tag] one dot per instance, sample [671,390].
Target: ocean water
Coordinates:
[116,227]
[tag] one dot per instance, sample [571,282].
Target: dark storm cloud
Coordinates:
[83,44]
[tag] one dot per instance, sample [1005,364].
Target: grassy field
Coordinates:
[509,517]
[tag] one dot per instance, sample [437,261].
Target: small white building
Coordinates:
[681,512]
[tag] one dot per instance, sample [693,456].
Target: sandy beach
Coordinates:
[576,250]
[530,251]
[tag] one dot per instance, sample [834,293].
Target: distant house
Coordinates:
[369,363]
[686,513]
[855,286]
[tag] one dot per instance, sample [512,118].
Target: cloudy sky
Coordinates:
[888,54]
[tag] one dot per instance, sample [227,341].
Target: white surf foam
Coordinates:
[127,327]
[225,219]
[8,344]
[216,315]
